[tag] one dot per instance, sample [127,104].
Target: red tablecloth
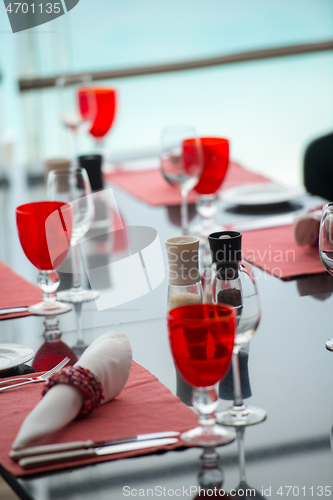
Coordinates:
[15,291]
[145,405]
[150,187]
[275,251]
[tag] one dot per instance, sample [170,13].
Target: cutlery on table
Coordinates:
[81,445]
[11,310]
[51,458]
[40,378]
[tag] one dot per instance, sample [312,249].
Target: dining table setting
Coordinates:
[169,334]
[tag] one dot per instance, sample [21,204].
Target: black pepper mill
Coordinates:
[226,254]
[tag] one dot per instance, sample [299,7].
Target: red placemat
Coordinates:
[150,186]
[275,251]
[145,405]
[15,291]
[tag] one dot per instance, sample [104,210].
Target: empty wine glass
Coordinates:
[243,490]
[44,230]
[73,186]
[201,338]
[234,284]
[181,163]
[70,104]
[326,247]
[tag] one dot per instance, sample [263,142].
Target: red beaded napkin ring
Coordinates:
[84,380]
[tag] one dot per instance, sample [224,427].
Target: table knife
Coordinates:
[11,310]
[82,445]
[52,458]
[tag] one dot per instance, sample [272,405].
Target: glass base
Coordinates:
[215,436]
[57,308]
[241,416]
[329,345]
[77,295]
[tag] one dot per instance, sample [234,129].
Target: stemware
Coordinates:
[243,490]
[234,284]
[45,230]
[326,247]
[70,105]
[105,107]
[181,163]
[73,186]
[215,154]
[201,338]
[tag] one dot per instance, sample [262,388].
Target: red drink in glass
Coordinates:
[45,230]
[39,243]
[202,338]
[104,100]
[215,151]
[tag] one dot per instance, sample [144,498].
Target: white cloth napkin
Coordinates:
[306,227]
[109,358]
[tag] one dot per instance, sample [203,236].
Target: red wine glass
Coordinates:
[45,230]
[215,154]
[105,102]
[201,338]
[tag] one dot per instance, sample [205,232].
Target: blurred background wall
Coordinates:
[269,109]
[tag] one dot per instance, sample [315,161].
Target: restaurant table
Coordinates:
[290,373]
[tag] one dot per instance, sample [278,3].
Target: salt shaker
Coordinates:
[184,278]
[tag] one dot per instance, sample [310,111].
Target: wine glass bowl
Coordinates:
[201,338]
[70,103]
[105,109]
[45,230]
[326,247]
[215,154]
[181,163]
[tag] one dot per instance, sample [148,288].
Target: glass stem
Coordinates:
[184,211]
[48,282]
[205,402]
[78,314]
[75,267]
[238,397]
[241,453]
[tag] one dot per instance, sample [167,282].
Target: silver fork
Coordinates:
[41,378]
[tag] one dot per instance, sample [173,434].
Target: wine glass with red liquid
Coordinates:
[201,338]
[105,102]
[45,230]
[215,154]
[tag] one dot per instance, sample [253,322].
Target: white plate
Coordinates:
[260,194]
[12,355]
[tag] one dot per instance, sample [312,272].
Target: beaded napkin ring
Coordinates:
[84,380]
